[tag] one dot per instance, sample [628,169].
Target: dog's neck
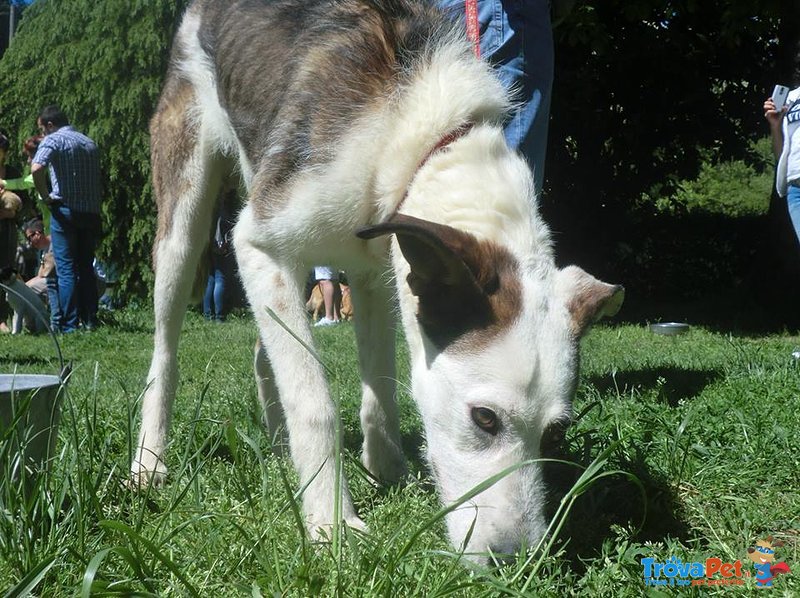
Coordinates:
[445,141]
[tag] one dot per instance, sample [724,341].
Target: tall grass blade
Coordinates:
[153,550]
[27,584]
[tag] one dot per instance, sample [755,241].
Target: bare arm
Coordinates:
[774,118]
[39,173]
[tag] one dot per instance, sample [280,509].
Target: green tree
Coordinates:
[102,62]
[644,90]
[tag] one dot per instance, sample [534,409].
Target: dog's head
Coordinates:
[494,348]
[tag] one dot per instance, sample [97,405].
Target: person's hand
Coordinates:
[772,113]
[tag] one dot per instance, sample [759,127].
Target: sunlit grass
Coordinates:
[682,447]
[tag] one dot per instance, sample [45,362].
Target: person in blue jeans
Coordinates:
[214,307]
[74,197]
[784,124]
[516,37]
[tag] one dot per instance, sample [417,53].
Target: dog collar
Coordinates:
[451,137]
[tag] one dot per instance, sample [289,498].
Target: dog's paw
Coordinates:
[323,532]
[357,524]
[388,466]
[142,478]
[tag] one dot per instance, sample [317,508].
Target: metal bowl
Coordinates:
[669,328]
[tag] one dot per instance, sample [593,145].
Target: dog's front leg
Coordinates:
[177,254]
[269,399]
[309,411]
[382,453]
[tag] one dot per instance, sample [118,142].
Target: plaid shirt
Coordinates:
[74,164]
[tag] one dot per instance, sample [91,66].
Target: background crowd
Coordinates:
[55,203]
[516,37]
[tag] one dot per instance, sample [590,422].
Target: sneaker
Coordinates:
[326,322]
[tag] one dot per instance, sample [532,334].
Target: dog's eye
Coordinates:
[485,419]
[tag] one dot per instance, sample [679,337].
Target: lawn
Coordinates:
[683,448]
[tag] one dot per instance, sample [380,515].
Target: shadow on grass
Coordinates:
[127,325]
[29,360]
[614,500]
[672,383]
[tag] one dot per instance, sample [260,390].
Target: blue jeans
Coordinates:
[517,39]
[214,298]
[793,200]
[74,237]
[55,306]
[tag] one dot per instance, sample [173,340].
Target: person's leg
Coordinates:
[55,305]
[219,287]
[327,288]
[208,296]
[328,285]
[517,39]
[63,240]
[88,226]
[528,128]
[793,201]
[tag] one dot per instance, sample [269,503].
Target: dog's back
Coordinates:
[313,65]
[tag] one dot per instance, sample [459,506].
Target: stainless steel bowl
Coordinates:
[669,328]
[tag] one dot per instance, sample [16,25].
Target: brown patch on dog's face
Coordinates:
[467,289]
[454,315]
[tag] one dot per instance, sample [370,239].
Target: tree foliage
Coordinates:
[102,62]
[644,91]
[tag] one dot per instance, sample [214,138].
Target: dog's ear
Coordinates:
[440,256]
[587,298]
[456,277]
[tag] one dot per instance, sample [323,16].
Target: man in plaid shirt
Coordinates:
[74,202]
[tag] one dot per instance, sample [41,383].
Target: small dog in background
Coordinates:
[316,305]
[346,310]
[29,310]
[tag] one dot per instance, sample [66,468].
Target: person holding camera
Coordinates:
[784,125]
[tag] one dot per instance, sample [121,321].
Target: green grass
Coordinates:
[691,445]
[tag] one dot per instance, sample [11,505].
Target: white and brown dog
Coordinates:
[369,136]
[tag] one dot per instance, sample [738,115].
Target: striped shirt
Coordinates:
[74,164]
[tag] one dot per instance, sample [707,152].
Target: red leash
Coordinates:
[473,29]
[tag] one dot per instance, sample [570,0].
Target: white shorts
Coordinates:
[325,273]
